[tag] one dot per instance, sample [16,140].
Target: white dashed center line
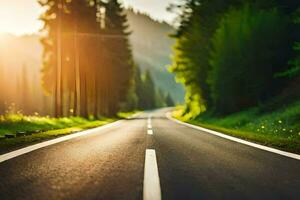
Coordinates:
[149,120]
[149,125]
[152,189]
[150,132]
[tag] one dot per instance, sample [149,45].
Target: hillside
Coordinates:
[152,48]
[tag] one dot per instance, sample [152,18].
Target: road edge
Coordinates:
[238,140]
[28,149]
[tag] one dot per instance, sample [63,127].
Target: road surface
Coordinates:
[181,163]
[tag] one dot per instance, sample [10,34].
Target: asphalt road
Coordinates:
[109,164]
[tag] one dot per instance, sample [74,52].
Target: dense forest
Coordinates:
[88,65]
[232,55]
[27,70]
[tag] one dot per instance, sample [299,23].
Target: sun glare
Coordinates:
[19,17]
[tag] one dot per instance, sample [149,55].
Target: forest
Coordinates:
[232,55]
[88,62]
[239,63]
[80,71]
[88,68]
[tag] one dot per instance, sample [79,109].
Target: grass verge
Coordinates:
[17,131]
[279,129]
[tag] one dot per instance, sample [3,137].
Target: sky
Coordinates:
[21,16]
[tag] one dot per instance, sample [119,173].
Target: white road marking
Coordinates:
[150,132]
[258,146]
[151,189]
[149,121]
[28,149]
[149,125]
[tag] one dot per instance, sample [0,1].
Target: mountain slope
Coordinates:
[152,48]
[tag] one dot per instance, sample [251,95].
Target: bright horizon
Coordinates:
[21,17]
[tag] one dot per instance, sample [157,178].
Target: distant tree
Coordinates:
[169,101]
[132,99]
[148,97]
[139,88]
[160,98]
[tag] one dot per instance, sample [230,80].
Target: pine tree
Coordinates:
[118,56]
[159,98]
[169,101]
[139,88]
[52,70]
[149,92]
[68,56]
[88,64]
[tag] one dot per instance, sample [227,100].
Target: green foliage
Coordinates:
[242,77]
[294,63]
[148,96]
[198,22]
[227,53]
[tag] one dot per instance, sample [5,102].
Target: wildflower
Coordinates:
[280,122]
[262,127]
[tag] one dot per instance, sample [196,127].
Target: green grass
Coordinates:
[125,115]
[11,124]
[36,129]
[27,130]
[279,129]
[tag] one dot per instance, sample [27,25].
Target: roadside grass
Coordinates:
[9,144]
[125,115]
[26,125]
[279,128]
[17,130]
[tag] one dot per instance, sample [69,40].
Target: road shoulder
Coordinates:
[238,140]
